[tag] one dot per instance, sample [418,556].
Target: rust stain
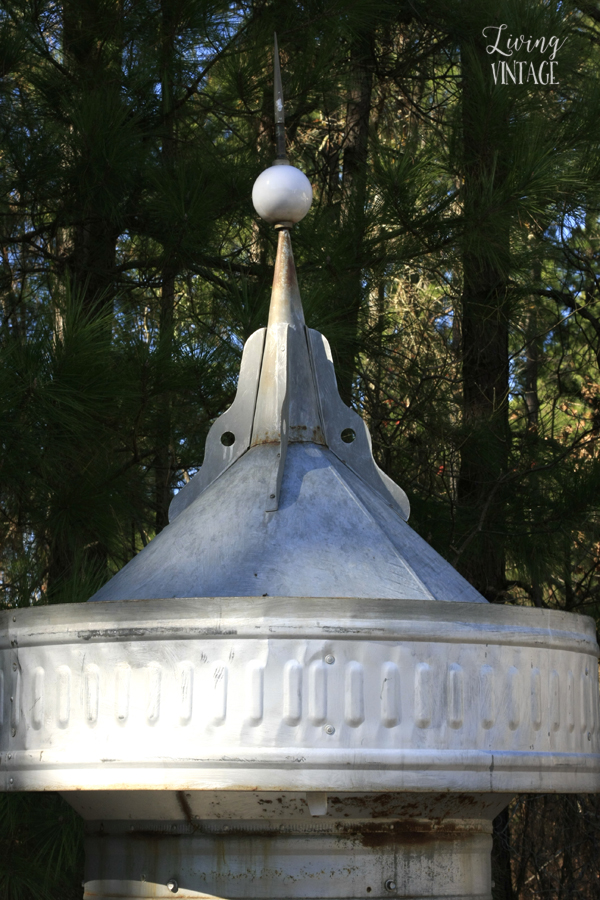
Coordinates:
[410,832]
[297,434]
[185,808]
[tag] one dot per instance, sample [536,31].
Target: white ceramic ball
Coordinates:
[282,195]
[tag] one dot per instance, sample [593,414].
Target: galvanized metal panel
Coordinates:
[325,539]
[338,419]
[279,695]
[236,421]
[313,864]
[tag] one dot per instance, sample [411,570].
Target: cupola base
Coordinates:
[301,845]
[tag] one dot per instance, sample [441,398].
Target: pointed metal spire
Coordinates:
[287,390]
[279,110]
[289,500]
[282,194]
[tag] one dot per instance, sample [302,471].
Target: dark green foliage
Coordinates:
[41,848]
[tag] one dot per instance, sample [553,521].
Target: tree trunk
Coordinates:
[485,370]
[354,196]
[163,461]
[92,50]
[501,869]
[484,336]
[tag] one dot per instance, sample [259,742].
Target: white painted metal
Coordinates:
[315,862]
[236,421]
[338,419]
[290,516]
[287,845]
[338,529]
[280,695]
[282,195]
[331,536]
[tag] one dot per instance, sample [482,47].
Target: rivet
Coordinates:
[329,659]
[10,755]
[589,735]
[172,885]
[226,828]
[14,618]
[390,885]
[14,667]
[14,732]
[272,497]
[11,780]
[329,729]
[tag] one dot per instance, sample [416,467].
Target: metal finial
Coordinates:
[279,110]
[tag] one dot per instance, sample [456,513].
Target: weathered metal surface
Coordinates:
[332,536]
[236,421]
[260,844]
[272,695]
[338,419]
[279,109]
[277,810]
[294,381]
[301,862]
[287,845]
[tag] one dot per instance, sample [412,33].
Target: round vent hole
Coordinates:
[228,438]
[348,435]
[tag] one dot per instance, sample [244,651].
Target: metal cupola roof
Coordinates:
[289,501]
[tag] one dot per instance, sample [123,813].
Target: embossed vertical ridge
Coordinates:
[63,687]
[423,695]
[91,693]
[1,697]
[487,700]
[594,706]
[390,695]
[186,691]
[123,687]
[15,699]
[570,701]
[219,693]
[536,699]
[593,701]
[513,704]
[255,675]
[354,694]
[37,698]
[455,694]
[583,704]
[554,691]
[589,689]
[292,692]
[317,692]
[154,687]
